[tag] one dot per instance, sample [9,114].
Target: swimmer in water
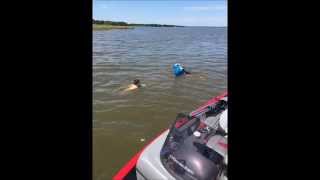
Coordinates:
[179,70]
[135,85]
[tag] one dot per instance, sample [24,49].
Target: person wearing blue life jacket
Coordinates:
[179,70]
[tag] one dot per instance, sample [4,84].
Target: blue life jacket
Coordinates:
[177,69]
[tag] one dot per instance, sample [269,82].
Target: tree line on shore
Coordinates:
[120,23]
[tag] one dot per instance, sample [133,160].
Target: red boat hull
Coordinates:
[129,167]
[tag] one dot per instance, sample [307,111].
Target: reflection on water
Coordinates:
[121,120]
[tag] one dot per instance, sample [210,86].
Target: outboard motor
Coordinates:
[193,149]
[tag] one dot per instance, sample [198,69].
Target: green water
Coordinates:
[121,120]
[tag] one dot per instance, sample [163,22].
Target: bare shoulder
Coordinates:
[131,87]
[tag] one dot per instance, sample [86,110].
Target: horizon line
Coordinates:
[160,23]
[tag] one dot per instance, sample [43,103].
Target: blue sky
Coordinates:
[176,12]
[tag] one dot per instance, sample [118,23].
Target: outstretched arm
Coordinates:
[187,72]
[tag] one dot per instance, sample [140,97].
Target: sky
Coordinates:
[174,12]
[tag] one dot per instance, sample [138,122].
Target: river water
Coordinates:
[124,122]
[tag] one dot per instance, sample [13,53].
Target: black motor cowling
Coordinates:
[187,157]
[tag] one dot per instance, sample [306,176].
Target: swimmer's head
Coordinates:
[136,82]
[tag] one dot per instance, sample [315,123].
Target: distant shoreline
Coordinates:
[100,27]
[109,25]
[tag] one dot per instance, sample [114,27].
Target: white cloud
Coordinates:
[193,21]
[104,6]
[204,8]
[205,21]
